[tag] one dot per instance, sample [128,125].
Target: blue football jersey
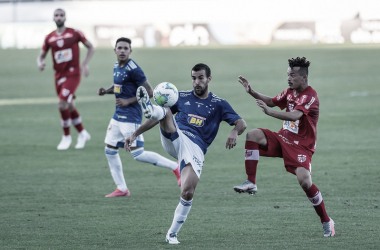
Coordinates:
[126,80]
[199,119]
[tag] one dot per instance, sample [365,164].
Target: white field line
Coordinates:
[49,100]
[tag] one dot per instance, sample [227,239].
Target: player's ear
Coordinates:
[209,78]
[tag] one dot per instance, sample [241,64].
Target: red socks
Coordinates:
[315,198]
[65,121]
[251,159]
[77,120]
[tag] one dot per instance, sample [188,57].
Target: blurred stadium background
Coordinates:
[154,23]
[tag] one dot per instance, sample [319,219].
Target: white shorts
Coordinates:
[183,149]
[118,131]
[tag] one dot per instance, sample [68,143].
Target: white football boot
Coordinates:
[171,238]
[144,102]
[246,187]
[65,142]
[328,228]
[83,137]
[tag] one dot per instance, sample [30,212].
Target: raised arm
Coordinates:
[239,128]
[286,116]
[254,94]
[90,52]
[148,124]
[41,60]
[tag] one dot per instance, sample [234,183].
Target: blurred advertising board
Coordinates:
[356,30]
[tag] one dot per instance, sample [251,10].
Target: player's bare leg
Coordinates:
[315,197]
[254,138]
[189,183]
[167,123]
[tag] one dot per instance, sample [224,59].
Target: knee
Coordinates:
[187,194]
[253,135]
[305,184]
[138,154]
[62,105]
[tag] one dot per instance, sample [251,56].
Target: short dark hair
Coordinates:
[201,66]
[64,12]
[302,63]
[124,39]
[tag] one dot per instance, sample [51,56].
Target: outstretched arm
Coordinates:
[254,94]
[90,52]
[148,124]
[240,126]
[286,116]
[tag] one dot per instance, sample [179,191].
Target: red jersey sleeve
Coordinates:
[80,36]
[280,100]
[304,103]
[46,46]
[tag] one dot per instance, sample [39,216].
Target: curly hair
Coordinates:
[302,63]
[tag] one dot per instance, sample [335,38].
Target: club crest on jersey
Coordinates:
[301,158]
[60,43]
[65,92]
[196,121]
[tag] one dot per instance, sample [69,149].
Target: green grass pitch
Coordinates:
[55,200]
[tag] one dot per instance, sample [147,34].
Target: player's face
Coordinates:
[295,80]
[122,51]
[59,18]
[200,82]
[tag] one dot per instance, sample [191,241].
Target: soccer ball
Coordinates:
[165,94]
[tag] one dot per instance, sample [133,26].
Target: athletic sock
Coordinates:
[315,198]
[180,215]
[116,168]
[77,120]
[153,158]
[65,121]
[251,160]
[158,113]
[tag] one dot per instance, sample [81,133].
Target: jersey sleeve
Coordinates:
[174,108]
[46,46]
[280,100]
[81,36]
[305,102]
[228,113]
[138,76]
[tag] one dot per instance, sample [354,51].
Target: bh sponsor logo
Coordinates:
[196,121]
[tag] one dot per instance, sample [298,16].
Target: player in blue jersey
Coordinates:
[127,77]
[187,136]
